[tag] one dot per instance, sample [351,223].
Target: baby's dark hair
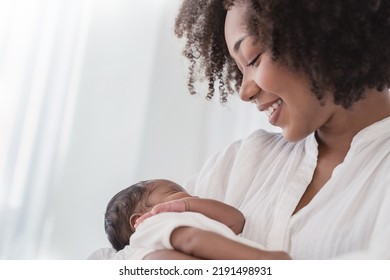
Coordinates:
[118,213]
[342,46]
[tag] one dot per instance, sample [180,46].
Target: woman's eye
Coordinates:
[253,62]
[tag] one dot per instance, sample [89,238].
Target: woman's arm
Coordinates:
[168,255]
[209,245]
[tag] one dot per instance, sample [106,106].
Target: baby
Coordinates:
[198,228]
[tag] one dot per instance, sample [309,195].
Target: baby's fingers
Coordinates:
[171,206]
[159,208]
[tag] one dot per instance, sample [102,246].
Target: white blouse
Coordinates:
[265,177]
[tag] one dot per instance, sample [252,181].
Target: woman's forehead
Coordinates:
[234,25]
[235,18]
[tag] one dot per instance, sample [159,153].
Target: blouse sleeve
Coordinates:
[379,245]
[212,180]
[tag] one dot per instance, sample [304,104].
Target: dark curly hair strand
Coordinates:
[342,46]
[202,24]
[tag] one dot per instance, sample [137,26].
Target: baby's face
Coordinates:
[163,191]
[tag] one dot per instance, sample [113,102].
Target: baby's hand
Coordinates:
[180,205]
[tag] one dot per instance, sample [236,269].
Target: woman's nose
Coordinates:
[248,90]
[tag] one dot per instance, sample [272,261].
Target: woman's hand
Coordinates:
[180,205]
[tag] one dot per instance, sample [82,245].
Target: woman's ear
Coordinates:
[133,219]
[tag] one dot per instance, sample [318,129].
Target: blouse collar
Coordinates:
[375,132]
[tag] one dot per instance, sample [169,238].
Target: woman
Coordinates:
[320,70]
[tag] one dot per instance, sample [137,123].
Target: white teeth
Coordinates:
[273,107]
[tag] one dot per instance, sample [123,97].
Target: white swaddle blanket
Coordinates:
[154,234]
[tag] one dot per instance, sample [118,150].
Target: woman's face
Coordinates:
[283,95]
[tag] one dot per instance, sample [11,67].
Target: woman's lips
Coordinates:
[274,115]
[265,106]
[271,109]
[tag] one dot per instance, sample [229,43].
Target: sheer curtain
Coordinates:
[93,97]
[41,49]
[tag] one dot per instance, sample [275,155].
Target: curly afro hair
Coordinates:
[202,24]
[342,46]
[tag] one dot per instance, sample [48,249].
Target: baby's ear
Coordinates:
[133,219]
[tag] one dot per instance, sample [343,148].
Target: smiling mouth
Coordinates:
[271,109]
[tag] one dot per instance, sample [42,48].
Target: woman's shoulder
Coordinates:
[268,140]
[259,141]
[248,153]
[264,135]
[261,144]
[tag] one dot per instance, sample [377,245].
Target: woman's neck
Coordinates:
[337,134]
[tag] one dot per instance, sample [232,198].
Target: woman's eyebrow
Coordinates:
[238,43]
